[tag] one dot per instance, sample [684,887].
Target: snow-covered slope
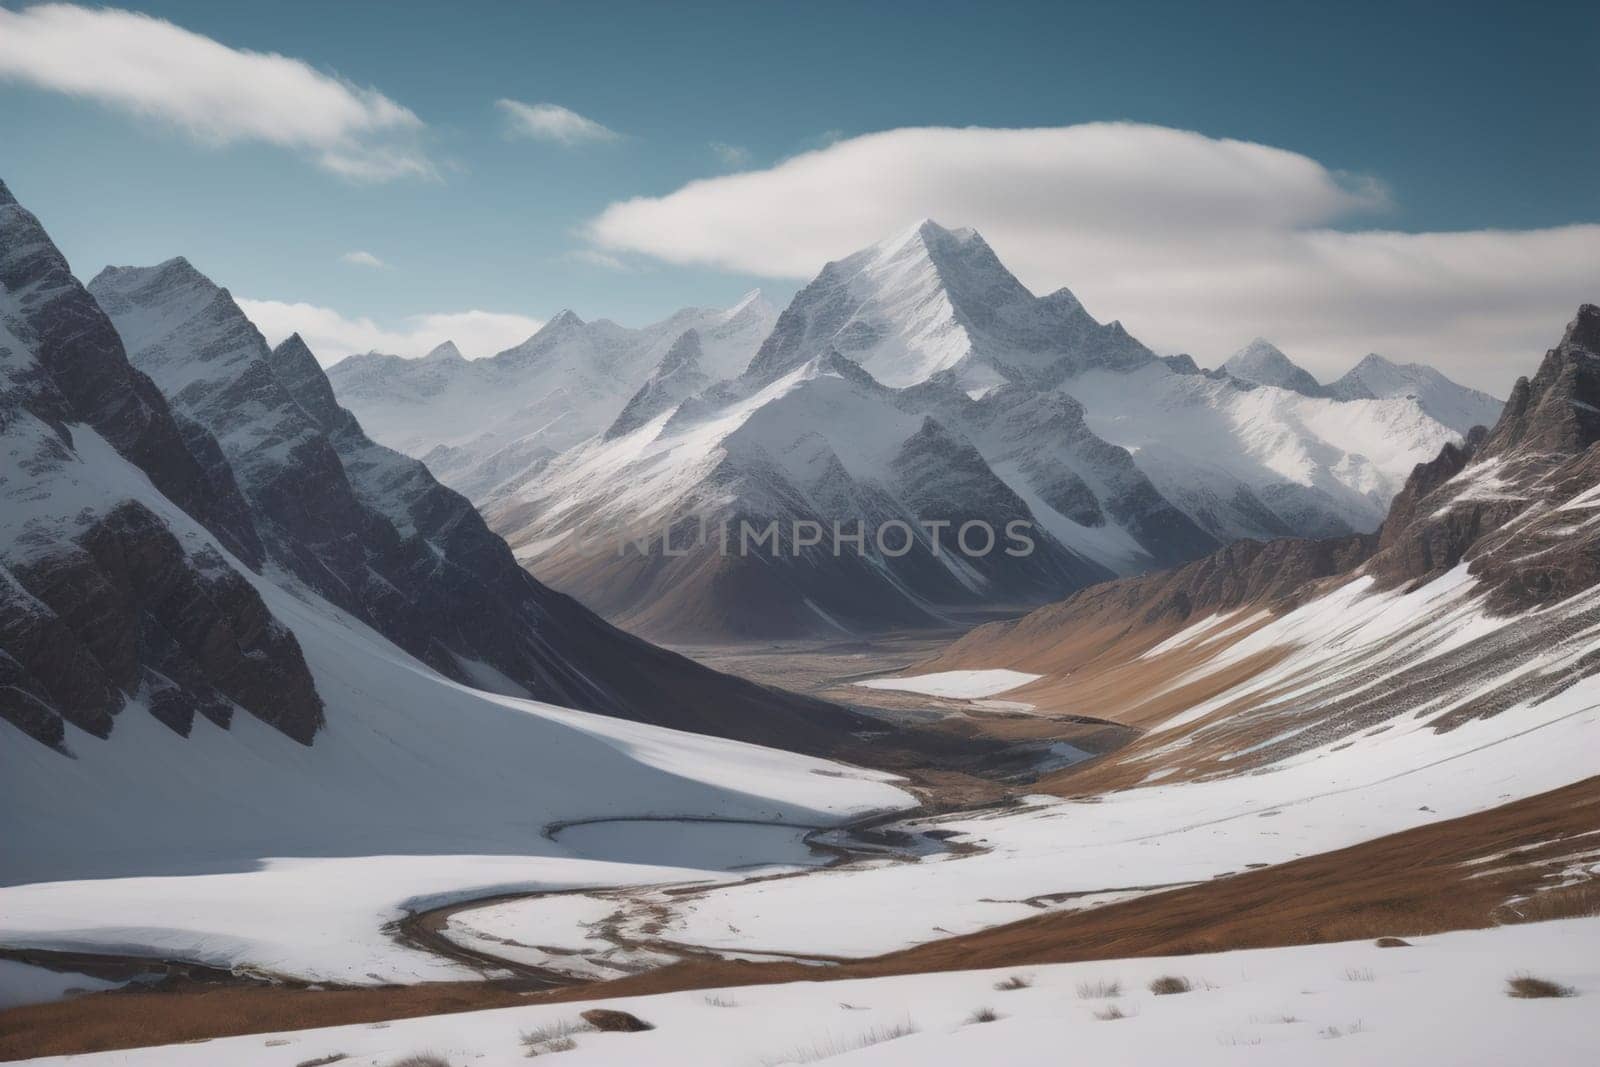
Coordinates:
[478,422]
[1442,1000]
[1114,456]
[1457,406]
[1260,462]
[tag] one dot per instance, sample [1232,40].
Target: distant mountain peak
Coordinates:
[445,353]
[1558,409]
[1584,330]
[167,275]
[932,301]
[753,297]
[1264,363]
[1376,377]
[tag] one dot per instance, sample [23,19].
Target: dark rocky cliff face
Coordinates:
[100,601]
[87,378]
[1508,502]
[129,612]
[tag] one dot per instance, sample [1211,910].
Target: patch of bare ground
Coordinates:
[1445,876]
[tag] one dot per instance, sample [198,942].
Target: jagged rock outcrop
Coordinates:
[1511,502]
[102,600]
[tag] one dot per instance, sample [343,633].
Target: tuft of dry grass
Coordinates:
[832,1046]
[1359,974]
[1015,981]
[1111,1012]
[554,1037]
[715,1001]
[983,1015]
[323,1061]
[422,1059]
[1528,987]
[1580,900]
[1392,942]
[1169,984]
[1346,1030]
[1099,990]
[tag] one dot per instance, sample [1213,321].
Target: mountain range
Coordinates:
[1476,597]
[479,422]
[1456,406]
[170,478]
[915,382]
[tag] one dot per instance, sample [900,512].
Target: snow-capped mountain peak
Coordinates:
[933,302]
[1453,404]
[1262,363]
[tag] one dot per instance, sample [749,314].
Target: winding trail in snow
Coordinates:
[427,930]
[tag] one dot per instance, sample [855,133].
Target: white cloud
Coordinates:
[552,122]
[731,155]
[332,336]
[1196,244]
[216,94]
[363,259]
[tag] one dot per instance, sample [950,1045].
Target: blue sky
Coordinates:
[1469,118]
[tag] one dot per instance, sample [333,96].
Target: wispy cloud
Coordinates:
[219,95]
[332,336]
[731,155]
[363,259]
[552,122]
[1196,243]
[596,258]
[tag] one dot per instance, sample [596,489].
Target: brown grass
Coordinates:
[1578,901]
[983,1015]
[1099,989]
[554,1037]
[1016,981]
[1170,984]
[422,1059]
[1528,987]
[323,1061]
[831,1046]
[1110,1013]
